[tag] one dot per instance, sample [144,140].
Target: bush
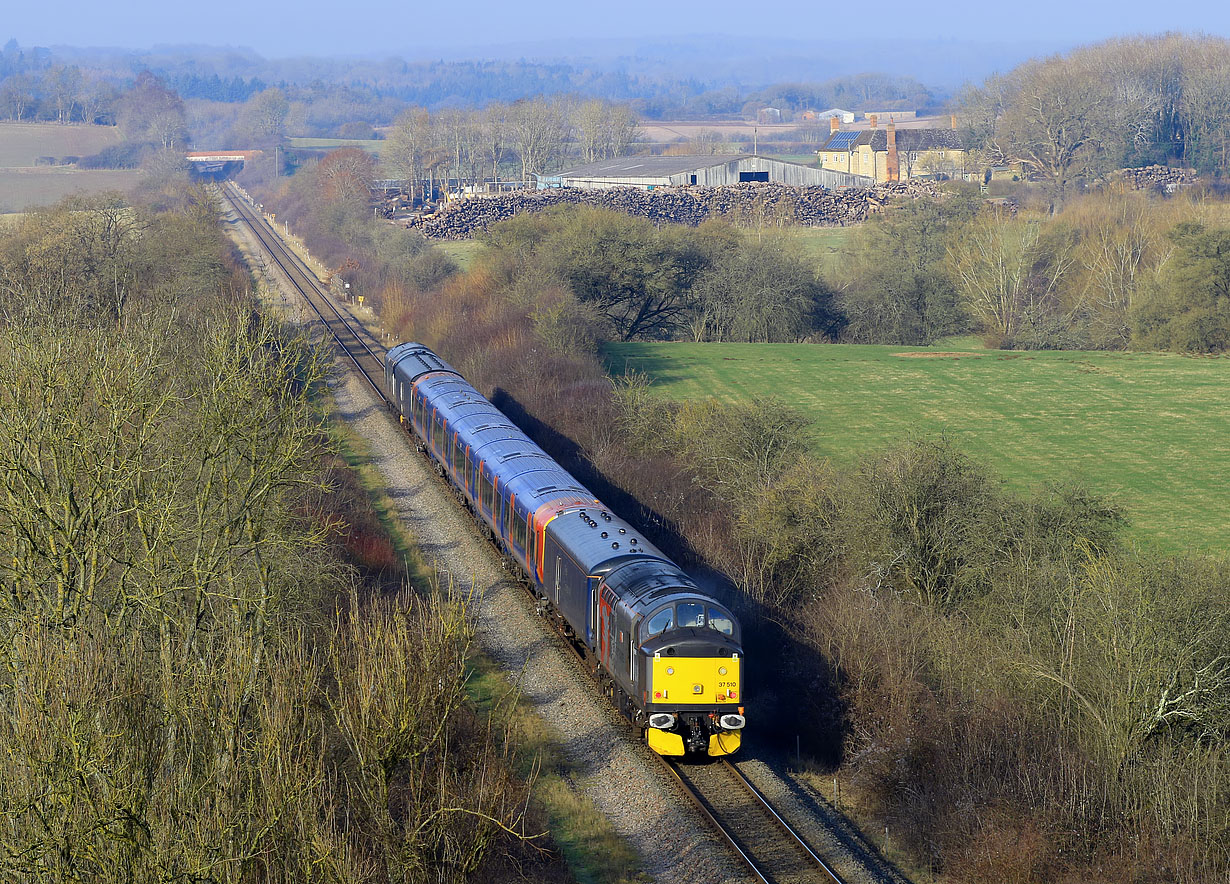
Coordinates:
[116,156]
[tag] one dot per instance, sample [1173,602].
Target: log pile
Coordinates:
[1164,178]
[739,203]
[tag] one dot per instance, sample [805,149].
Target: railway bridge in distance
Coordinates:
[220,163]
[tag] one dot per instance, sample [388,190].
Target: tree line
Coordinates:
[1116,269]
[1126,102]
[531,135]
[213,668]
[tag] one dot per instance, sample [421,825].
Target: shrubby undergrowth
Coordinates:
[209,669]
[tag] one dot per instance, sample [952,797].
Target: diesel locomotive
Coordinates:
[669,655]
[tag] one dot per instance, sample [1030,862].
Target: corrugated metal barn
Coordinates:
[696,171]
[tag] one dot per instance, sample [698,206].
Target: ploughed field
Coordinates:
[24,184]
[1150,430]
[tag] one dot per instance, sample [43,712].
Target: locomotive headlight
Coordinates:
[721,670]
[670,670]
[697,689]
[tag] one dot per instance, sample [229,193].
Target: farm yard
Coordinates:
[1150,430]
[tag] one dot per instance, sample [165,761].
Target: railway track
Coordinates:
[744,818]
[773,851]
[366,353]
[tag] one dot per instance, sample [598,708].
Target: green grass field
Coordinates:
[1150,430]
[368,144]
[823,245]
[463,251]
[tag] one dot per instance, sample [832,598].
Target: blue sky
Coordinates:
[415,29]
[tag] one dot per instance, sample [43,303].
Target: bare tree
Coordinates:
[63,83]
[538,128]
[408,145]
[604,130]
[1005,271]
[16,94]
[494,132]
[1055,121]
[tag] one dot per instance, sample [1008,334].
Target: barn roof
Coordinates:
[648,167]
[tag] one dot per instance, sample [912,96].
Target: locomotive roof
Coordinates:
[598,540]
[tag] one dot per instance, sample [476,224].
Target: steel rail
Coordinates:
[292,266]
[700,804]
[764,802]
[758,868]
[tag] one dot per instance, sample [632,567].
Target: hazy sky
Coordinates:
[417,29]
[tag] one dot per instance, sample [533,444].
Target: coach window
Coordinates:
[439,436]
[660,622]
[485,490]
[519,533]
[459,454]
[691,614]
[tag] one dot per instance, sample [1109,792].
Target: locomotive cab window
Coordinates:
[660,622]
[691,614]
[721,621]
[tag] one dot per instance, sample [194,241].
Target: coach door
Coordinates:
[591,627]
[604,626]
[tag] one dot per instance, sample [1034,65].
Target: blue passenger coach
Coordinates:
[670,656]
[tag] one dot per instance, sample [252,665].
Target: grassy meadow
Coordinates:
[1151,430]
[824,246]
[368,144]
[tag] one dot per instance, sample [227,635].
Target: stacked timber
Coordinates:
[1165,178]
[774,204]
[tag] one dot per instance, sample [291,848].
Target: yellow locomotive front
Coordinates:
[694,680]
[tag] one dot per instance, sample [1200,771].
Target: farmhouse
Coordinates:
[893,154]
[649,173]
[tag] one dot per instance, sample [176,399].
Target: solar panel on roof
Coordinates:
[842,140]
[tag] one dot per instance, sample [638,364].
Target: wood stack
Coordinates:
[1164,178]
[741,203]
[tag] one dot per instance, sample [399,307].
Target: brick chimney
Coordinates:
[894,164]
[872,120]
[834,124]
[952,120]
